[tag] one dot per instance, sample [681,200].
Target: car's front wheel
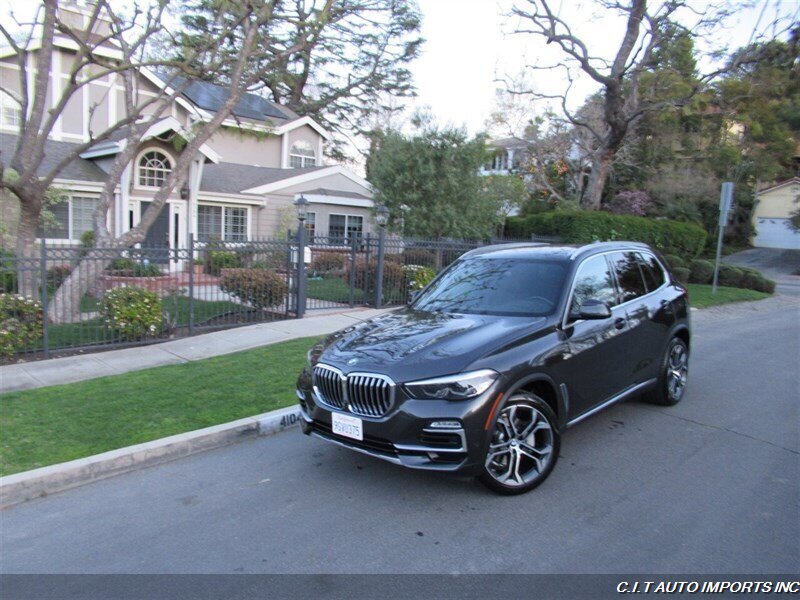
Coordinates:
[524,445]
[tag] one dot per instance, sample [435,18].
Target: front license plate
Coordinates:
[347,426]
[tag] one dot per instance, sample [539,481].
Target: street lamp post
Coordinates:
[382,218]
[301,206]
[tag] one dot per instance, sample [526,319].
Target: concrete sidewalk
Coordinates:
[56,371]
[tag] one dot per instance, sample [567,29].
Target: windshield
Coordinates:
[496,286]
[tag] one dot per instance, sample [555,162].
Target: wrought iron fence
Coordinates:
[71,297]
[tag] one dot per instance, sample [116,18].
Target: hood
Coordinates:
[410,344]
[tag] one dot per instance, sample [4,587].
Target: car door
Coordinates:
[597,348]
[649,314]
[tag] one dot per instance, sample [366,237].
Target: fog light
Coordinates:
[446,425]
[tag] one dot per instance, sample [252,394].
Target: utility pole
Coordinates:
[725,206]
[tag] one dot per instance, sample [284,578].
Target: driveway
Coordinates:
[708,486]
[781,265]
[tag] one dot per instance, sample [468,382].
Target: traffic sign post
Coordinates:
[725,208]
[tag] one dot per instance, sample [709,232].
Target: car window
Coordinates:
[497,286]
[629,276]
[652,271]
[593,281]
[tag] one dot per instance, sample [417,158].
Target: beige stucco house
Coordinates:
[241,185]
[773,209]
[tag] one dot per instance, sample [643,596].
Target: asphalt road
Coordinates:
[708,486]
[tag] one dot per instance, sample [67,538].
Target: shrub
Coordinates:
[394,276]
[582,227]
[636,203]
[221,259]
[702,271]
[87,242]
[674,261]
[8,271]
[133,313]
[258,287]
[681,274]
[730,276]
[56,276]
[418,256]
[418,276]
[20,323]
[324,262]
[126,267]
[766,285]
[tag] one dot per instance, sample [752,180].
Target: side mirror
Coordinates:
[413,296]
[593,309]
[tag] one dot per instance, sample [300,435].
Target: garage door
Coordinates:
[776,233]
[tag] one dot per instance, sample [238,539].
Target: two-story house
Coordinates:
[241,184]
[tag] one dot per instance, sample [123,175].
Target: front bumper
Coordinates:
[404,435]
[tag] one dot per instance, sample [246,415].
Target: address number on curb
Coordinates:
[290,420]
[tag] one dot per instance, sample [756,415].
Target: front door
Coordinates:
[598,348]
[157,243]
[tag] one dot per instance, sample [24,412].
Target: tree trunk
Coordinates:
[27,251]
[65,305]
[601,165]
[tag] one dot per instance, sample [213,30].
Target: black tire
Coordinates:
[535,453]
[672,376]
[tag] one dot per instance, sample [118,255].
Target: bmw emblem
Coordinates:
[352,361]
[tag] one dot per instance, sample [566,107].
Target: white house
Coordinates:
[241,185]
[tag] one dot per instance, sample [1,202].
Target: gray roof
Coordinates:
[230,178]
[79,169]
[328,192]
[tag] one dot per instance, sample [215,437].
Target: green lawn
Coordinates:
[55,424]
[332,289]
[700,295]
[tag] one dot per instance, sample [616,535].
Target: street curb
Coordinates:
[21,487]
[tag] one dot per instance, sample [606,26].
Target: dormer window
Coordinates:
[154,167]
[302,155]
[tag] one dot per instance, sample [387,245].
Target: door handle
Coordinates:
[619,323]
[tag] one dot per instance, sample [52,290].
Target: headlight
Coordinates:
[453,387]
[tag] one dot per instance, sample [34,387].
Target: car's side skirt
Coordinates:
[613,400]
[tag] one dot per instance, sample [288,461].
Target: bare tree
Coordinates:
[129,37]
[619,77]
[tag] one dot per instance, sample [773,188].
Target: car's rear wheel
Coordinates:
[524,445]
[673,375]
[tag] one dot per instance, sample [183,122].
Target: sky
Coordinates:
[469,46]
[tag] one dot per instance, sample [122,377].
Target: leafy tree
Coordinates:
[347,67]
[429,181]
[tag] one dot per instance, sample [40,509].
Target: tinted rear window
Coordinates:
[652,271]
[629,276]
[497,286]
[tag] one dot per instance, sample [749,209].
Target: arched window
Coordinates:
[302,155]
[153,169]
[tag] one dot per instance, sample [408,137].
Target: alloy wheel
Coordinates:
[677,371]
[522,446]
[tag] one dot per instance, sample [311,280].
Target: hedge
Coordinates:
[684,240]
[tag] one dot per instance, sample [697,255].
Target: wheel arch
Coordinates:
[546,388]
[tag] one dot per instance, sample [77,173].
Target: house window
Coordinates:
[235,224]
[10,112]
[212,221]
[70,219]
[302,155]
[153,169]
[343,228]
[311,225]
